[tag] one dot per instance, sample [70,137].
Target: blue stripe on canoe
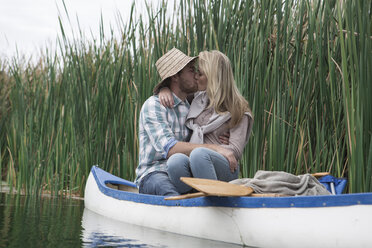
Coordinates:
[102,177]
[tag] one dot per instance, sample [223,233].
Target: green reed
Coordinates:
[303,66]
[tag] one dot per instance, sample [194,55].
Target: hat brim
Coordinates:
[164,82]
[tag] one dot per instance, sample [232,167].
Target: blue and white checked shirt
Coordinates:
[159,130]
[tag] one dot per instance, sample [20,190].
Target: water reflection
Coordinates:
[39,222]
[54,222]
[101,231]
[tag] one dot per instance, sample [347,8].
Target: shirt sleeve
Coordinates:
[157,127]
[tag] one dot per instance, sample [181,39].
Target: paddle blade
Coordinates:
[217,188]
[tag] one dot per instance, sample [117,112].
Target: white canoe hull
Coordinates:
[261,226]
[107,232]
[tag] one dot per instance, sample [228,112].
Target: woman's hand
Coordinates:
[229,155]
[166,97]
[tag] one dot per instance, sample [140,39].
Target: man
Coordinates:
[162,131]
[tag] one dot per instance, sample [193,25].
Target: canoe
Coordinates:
[298,221]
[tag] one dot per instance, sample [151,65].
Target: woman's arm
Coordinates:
[166,97]
[238,137]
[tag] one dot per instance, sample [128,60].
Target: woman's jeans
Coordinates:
[202,163]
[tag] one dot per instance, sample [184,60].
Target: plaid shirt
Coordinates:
[159,130]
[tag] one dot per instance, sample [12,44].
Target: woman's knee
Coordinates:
[176,161]
[200,157]
[200,152]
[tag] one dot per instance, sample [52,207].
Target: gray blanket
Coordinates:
[279,182]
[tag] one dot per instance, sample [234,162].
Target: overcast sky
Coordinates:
[28,25]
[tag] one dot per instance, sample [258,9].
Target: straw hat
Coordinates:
[170,64]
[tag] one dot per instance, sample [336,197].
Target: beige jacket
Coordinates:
[207,126]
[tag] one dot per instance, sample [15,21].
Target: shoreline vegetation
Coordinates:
[304,67]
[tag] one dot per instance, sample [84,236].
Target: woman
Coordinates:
[217,108]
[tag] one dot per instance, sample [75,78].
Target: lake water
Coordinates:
[51,222]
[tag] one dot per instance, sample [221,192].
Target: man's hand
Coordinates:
[224,138]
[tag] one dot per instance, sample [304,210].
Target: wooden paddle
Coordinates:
[208,187]
[186,196]
[217,188]
[320,174]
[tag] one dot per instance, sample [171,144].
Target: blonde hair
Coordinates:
[223,94]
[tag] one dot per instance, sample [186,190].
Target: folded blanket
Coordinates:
[279,182]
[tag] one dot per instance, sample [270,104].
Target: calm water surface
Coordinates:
[51,222]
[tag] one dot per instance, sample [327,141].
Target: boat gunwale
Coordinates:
[102,178]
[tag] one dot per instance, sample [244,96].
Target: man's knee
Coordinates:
[158,183]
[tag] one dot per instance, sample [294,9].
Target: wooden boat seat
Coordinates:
[122,187]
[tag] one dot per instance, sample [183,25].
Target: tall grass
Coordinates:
[304,66]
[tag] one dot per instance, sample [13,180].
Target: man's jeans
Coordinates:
[157,183]
[202,163]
